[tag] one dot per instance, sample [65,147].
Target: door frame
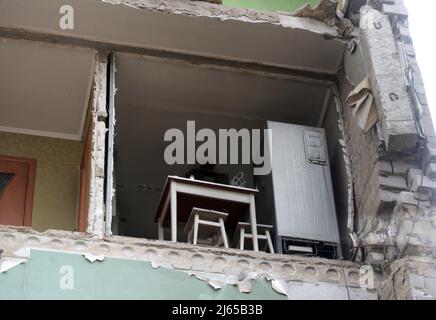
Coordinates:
[30,186]
[85,179]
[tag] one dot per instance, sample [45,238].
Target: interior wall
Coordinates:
[141,170]
[154,96]
[56,195]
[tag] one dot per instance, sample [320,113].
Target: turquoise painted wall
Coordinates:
[270,5]
[41,278]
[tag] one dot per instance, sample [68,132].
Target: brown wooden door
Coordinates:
[16,191]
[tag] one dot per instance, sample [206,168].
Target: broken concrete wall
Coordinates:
[96,212]
[410,279]
[71,276]
[393,162]
[121,267]
[341,172]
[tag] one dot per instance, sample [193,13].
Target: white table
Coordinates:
[175,186]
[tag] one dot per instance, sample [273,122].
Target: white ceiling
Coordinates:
[164,84]
[44,89]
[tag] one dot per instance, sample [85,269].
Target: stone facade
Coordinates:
[394,182]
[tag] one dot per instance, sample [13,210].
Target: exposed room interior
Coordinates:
[222,74]
[43,114]
[238,76]
[154,95]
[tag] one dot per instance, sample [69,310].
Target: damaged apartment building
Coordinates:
[89,209]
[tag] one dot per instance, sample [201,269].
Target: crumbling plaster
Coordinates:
[218,267]
[320,19]
[412,278]
[394,183]
[322,12]
[96,211]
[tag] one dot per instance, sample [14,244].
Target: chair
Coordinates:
[243,231]
[212,227]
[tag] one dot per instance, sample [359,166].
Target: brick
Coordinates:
[402,135]
[412,174]
[421,93]
[396,8]
[404,32]
[431,171]
[426,183]
[423,227]
[402,167]
[416,281]
[385,167]
[430,283]
[393,183]
[420,295]
[410,50]
[408,198]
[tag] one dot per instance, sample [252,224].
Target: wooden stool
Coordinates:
[211,221]
[243,231]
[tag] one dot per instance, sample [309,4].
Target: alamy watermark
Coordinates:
[215,150]
[66,21]
[66,279]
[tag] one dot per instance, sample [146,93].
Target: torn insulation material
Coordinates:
[92,258]
[9,263]
[23,252]
[245,286]
[279,286]
[216,284]
[362,101]
[341,8]
[242,282]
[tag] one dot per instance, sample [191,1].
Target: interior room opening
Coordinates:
[156,95]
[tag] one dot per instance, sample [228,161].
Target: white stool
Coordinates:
[211,221]
[243,231]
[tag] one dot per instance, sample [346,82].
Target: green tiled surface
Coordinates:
[12,283]
[112,279]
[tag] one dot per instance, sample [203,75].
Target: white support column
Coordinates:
[223,233]
[161,231]
[253,221]
[242,239]
[268,239]
[196,222]
[161,221]
[173,192]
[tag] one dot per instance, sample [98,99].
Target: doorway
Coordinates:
[17,180]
